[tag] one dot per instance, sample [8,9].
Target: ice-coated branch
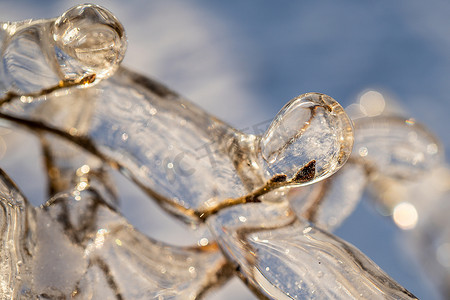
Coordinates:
[85,43]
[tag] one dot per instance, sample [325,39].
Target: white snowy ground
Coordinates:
[242,61]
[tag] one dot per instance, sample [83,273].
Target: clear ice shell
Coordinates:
[88,40]
[311,127]
[283,257]
[396,147]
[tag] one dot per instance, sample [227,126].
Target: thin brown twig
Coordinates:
[61,85]
[305,174]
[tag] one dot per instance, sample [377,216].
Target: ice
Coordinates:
[16,238]
[88,40]
[391,154]
[198,168]
[310,127]
[396,147]
[86,249]
[332,200]
[184,158]
[85,43]
[285,257]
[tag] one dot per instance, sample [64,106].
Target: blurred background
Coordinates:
[242,61]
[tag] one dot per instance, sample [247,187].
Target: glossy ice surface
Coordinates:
[289,258]
[195,166]
[310,127]
[86,40]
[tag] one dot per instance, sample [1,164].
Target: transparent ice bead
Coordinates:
[88,40]
[311,128]
[86,43]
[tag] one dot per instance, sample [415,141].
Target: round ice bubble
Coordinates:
[312,130]
[88,40]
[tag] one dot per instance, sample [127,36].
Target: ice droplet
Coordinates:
[88,40]
[310,127]
[86,43]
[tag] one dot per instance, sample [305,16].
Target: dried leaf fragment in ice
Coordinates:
[311,127]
